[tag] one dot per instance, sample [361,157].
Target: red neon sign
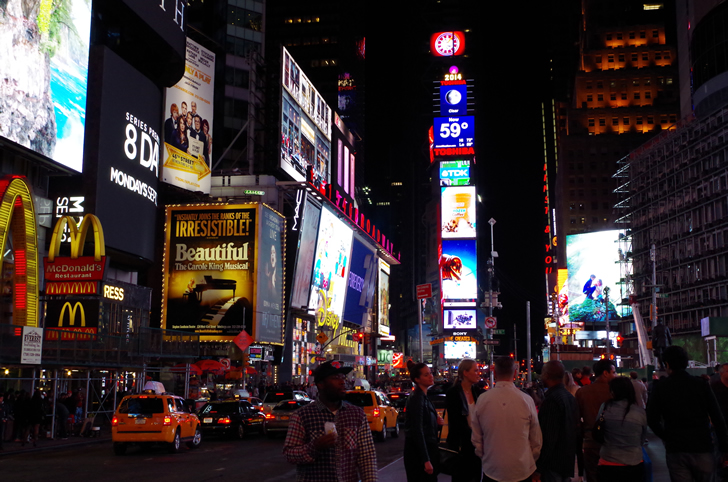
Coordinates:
[447,44]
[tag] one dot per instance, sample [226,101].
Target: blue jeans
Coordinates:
[687,467]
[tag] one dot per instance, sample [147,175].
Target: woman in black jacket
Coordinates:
[461,400]
[421,457]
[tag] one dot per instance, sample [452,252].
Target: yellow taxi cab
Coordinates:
[381,414]
[152,418]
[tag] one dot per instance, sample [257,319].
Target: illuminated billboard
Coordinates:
[460,319]
[453,100]
[383,301]
[269,286]
[454,132]
[211,270]
[362,284]
[331,269]
[454,173]
[44,72]
[458,269]
[592,264]
[458,212]
[457,350]
[447,44]
[188,130]
[301,290]
[305,125]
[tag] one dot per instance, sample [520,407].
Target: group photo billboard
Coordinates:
[305,125]
[458,269]
[458,212]
[44,68]
[592,264]
[210,264]
[460,319]
[188,129]
[269,292]
[331,269]
[362,284]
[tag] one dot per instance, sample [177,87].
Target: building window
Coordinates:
[582,220]
[621,57]
[600,84]
[595,220]
[600,97]
[663,120]
[673,118]
[589,97]
[610,58]
[636,96]
[668,80]
[615,121]
[588,85]
[635,57]
[635,81]
[581,206]
[598,59]
[572,206]
[631,35]
[639,120]
[643,34]
[647,82]
[594,205]
[666,55]
[609,36]
[655,33]
[625,121]
[613,84]
[602,121]
[591,122]
[572,220]
[619,36]
[658,55]
[624,95]
[612,96]
[581,193]
[605,205]
[650,120]
[645,56]
[648,94]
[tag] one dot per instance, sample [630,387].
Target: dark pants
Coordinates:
[687,467]
[470,469]
[591,460]
[2,433]
[488,479]
[625,473]
[414,464]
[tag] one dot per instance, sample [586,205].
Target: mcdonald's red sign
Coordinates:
[76,267]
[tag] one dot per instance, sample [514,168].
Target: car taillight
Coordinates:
[404,410]
[269,416]
[167,421]
[115,422]
[376,412]
[224,421]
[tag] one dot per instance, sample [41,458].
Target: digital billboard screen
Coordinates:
[44,68]
[592,264]
[305,125]
[331,269]
[460,319]
[383,298]
[301,290]
[458,212]
[457,350]
[269,286]
[454,173]
[453,100]
[362,284]
[210,268]
[458,269]
[454,132]
[188,129]
[126,149]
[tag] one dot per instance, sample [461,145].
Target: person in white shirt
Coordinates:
[506,433]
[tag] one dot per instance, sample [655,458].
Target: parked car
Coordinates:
[149,417]
[399,401]
[273,398]
[381,414]
[234,418]
[279,417]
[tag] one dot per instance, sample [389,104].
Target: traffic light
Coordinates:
[359,336]
[246,360]
[620,339]
[512,355]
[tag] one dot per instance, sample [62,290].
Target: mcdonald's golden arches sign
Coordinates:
[79,274]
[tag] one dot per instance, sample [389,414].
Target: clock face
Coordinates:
[447,43]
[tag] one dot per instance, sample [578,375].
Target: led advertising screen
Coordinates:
[454,132]
[458,269]
[460,319]
[457,350]
[447,44]
[269,287]
[592,267]
[331,269]
[305,125]
[454,173]
[362,284]
[453,100]
[383,301]
[44,72]
[306,249]
[125,144]
[210,267]
[188,129]
[458,212]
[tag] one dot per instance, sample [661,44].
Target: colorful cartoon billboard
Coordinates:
[458,270]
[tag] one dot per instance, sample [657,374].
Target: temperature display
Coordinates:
[454,132]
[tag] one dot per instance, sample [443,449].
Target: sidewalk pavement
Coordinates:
[394,472]
[43,444]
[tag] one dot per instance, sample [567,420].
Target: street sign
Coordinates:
[491,342]
[499,331]
[424,291]
[490,322]
[243,340]
[321,337]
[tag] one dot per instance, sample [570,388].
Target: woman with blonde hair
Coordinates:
[461,398]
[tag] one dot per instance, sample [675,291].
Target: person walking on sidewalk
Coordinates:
[590,399]
[3,419]
[680,410]
[558,418]
[421,456]
[461,398]
[329,439]
[506,433]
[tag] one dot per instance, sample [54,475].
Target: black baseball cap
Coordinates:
[329,368]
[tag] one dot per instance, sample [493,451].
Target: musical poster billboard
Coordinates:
[269,292]
[210,267]
[458,212]
[458,270]
[383,301]
[188,126]
[44,67]
[331,269]
[301,290]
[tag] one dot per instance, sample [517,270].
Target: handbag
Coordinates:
[598,428]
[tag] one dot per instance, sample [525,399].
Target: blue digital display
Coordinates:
[454,132]
[453,100]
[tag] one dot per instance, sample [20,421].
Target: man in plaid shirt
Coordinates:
[329,440]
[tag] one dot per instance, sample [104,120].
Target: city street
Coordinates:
[256,458]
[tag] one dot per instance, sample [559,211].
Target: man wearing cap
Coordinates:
[329,439]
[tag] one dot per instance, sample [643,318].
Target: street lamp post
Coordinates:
[491,272]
